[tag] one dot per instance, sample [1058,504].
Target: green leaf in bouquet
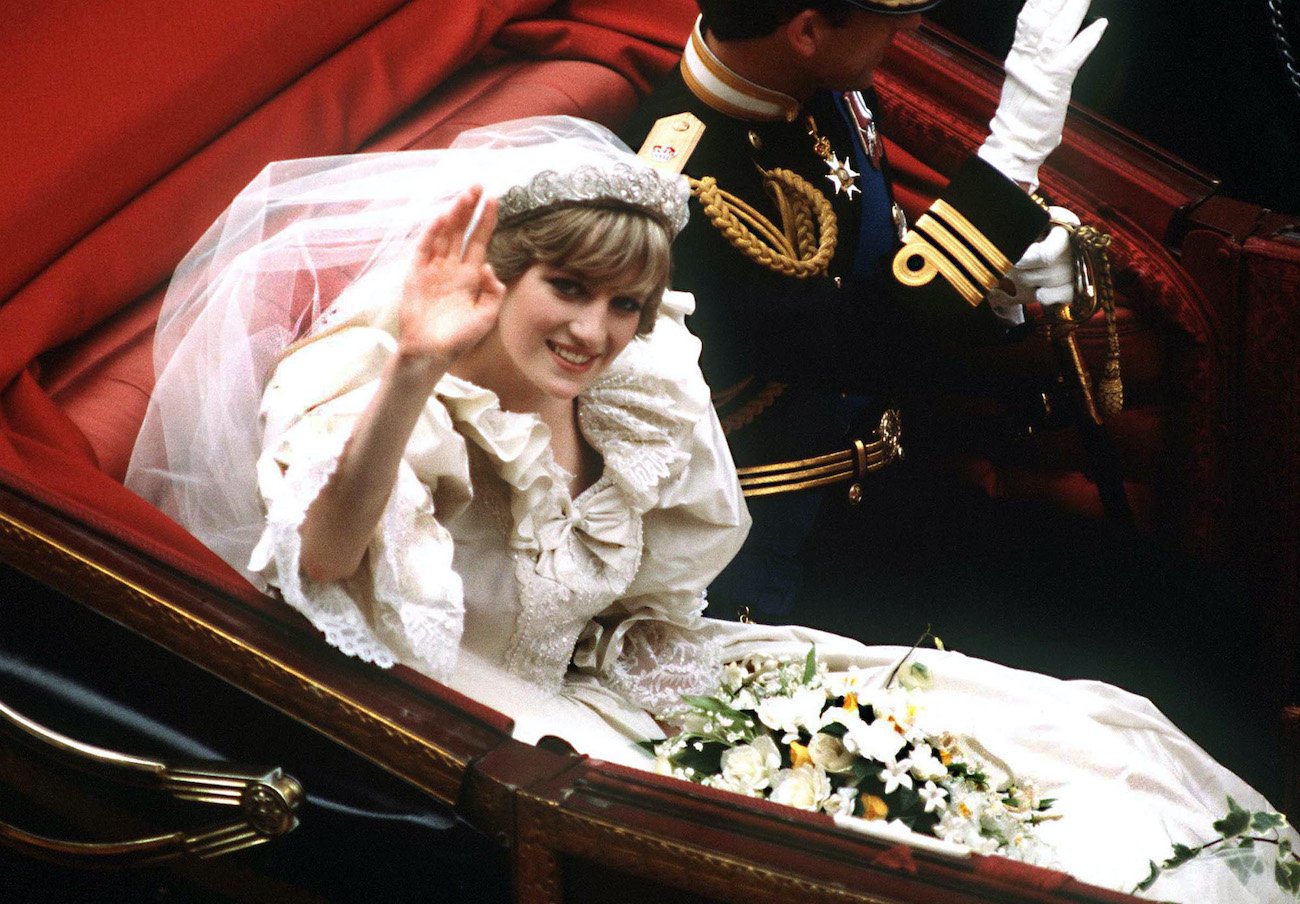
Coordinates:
[1151,878]
[649,746]
[835,730]
[866,775]
[1182,853]
[966,772]
[1287,875]
[1046,804]
[1236,822]
[714,705]
[995,833]
[1245,867]
[705,757]
[810,665]
[1283,847]
[1264,820]
[905,804]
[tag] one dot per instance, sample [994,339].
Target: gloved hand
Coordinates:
[1044,59]
[1045,272]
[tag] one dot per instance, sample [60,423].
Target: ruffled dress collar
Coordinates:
[575,555]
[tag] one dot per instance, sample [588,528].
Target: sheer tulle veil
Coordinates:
[306,245]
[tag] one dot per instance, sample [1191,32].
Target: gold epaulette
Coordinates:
[945,243]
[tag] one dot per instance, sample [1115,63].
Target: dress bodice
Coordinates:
[481,546]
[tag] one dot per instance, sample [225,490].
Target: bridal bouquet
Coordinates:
[790,732]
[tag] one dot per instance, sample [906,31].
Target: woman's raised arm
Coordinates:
[450,301]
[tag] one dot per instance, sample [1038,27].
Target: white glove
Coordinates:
[1044,59]
[1045,273]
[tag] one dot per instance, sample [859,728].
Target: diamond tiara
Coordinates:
[619,185]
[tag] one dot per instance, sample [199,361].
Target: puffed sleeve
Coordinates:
[652,645]
[405,603]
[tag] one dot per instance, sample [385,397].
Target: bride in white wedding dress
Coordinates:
[440,403]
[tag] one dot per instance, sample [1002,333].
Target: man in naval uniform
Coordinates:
[816,306]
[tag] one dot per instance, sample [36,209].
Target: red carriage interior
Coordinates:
[129,126]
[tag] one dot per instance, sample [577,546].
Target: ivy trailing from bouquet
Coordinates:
[1245,842]
[848,744]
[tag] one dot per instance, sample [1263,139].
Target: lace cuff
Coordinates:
[654,654]
[405,603]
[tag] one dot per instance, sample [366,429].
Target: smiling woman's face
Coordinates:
[558,331]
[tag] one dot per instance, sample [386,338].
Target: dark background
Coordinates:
[1203,79]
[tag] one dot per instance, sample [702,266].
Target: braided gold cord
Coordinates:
[753,408]
[804,244]
[1111,385]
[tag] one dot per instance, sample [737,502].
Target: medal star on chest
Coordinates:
[841,175]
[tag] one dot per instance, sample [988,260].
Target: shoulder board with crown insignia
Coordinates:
[671,142]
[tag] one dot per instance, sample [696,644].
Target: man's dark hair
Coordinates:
[735,20]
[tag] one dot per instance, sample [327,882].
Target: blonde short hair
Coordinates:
[620,246]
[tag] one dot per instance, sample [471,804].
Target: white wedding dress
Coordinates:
[579,617]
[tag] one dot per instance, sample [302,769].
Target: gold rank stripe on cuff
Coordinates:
[976,239]
[959,252]
[970,263]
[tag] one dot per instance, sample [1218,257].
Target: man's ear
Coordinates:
[804,33]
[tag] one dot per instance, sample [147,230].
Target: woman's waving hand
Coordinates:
[451,297]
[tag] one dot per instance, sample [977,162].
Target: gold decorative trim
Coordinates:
[268,802]
[963,255]
[673,863]
[764,104]
[724,107]
[933,262]
[141,608]
[738,83]
[538,877]
[976,239]
[853,463]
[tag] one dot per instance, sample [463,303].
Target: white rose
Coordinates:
[828,752]
[803,710]
[749,768]
[842,802]
[805,787]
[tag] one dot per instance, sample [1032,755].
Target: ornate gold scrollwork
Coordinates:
[267,800]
